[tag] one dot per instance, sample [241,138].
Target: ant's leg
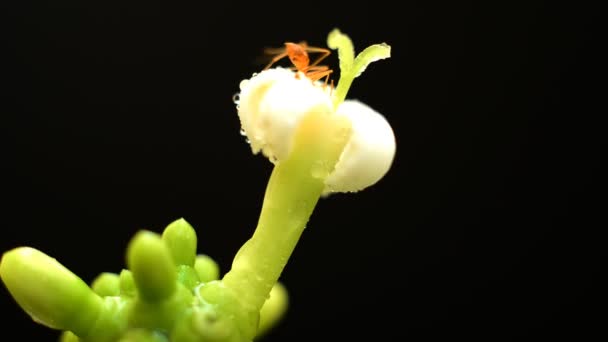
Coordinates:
[315,69]
[318,74]
[276,59]
[324,53]
[274,50]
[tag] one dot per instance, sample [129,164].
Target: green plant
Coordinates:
[319,143]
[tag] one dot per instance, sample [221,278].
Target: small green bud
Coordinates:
[180,237]
[206,268]
[273,309]
[127,284]
[106,284]
[153,269]
[68,336]
[49,292]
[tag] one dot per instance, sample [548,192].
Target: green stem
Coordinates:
[292,193]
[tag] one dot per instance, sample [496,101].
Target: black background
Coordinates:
[118,117]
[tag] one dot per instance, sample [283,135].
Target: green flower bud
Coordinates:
[273,309]
[206,268]
[127,284]
[106,284]
[68,336]
[180,237]
[49,292]
[153,269]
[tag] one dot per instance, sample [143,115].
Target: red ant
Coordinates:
[298,55]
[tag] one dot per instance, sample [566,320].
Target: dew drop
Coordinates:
[243,133]
[236,98]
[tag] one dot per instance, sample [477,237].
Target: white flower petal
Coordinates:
[270,106]
[368,155]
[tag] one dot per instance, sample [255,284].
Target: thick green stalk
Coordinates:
[292,193]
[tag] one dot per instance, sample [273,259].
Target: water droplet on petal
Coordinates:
[236,98]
